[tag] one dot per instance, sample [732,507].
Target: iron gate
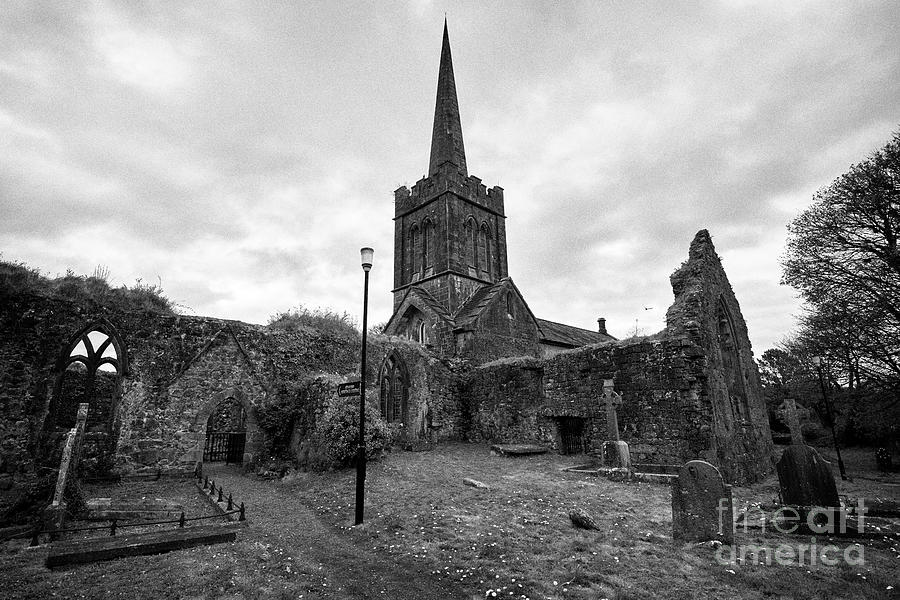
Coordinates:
[227,446]
[571,435]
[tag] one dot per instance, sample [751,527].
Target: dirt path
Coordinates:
[285,530]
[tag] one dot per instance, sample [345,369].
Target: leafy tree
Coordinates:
[843,256]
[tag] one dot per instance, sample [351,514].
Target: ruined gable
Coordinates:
[707,312]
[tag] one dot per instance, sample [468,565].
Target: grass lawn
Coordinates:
[515,539]
[427,535]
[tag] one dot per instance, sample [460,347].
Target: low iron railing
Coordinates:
[209,487]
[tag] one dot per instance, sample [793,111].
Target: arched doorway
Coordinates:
[226,432]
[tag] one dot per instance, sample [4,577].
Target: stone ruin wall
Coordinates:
[677,404]
[176,370]
[661,416]
[740,424]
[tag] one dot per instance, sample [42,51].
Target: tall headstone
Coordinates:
[806,478]
[54,515]
[702,505]
[615,452]
[793,421]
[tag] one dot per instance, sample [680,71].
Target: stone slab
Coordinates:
[517,449]
[806,478]
[138,544]
[661,478]
[656,468]
[702,505]
[105,509]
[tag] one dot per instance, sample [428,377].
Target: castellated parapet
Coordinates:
[448,179]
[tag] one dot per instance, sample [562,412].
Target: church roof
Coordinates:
[446,138]
[429,301]
[468,314]
[419,297]
[567,335]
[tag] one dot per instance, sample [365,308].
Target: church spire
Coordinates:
[446,138]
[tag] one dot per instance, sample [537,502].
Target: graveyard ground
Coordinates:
[427,535]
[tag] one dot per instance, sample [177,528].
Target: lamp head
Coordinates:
[366,258]
[817,361]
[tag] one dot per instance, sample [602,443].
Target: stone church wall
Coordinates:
[690,391]
[175,369]
[659,417]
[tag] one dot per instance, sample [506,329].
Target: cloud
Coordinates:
[243,154]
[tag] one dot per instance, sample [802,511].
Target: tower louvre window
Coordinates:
[415,251]
[484,249]
[428,245]
[471,244]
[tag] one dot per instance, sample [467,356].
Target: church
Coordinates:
[164,389]
[452,289]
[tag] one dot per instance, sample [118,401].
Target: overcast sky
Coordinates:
[242,153]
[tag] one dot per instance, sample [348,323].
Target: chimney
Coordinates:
[601,325]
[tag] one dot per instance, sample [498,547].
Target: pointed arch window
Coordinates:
[428,247]
[730,355]
[484,250]
[90,374]
[394,389]
[471,244]
[415,251]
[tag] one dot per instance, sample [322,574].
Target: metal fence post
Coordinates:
[181,520]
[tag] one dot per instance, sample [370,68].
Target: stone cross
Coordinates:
[612,400]
[793,421]
[806,478]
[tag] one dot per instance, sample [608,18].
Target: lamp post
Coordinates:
[366,259]
[818,362]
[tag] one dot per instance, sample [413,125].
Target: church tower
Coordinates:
[449,229]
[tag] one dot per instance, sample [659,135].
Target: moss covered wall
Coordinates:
[691,391]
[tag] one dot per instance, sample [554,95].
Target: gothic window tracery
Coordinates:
[394,388]
[90,374]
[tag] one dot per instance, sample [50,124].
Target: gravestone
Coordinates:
[702,506]
[55,514]
[614,452]
[806,478]
[793,421]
